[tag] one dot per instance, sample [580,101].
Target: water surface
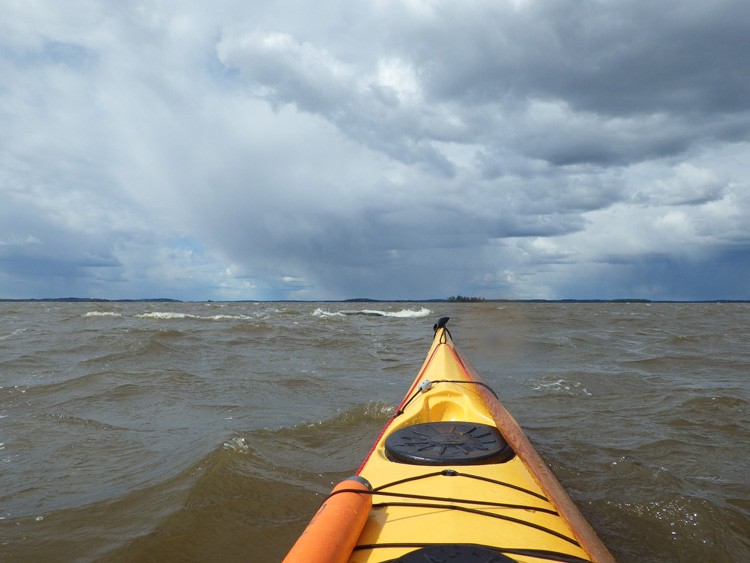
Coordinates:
[211,431]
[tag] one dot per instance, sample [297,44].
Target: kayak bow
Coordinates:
[452,477]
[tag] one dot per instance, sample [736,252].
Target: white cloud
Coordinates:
[399,77]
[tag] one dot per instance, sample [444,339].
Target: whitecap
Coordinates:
[14,333]
[402,314]
[164,315]
[101,314]
[321,313]
[237,445]
[172,315]
[561,386]
[409,313]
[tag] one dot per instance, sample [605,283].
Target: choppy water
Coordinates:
[211,432]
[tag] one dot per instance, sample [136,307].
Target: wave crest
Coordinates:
[101,314]
[170,315]
[402,314]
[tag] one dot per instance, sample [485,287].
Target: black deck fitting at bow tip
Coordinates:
[442,321]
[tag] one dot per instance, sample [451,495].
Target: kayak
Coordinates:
[451,478]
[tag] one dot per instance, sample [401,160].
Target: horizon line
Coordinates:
[472,300]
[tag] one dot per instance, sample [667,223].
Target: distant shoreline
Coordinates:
[363,300]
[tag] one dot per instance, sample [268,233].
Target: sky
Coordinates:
[390,149]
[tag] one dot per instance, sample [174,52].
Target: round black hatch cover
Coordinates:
[448,443]
[448,553]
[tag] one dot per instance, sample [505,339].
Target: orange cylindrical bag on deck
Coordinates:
[332,534]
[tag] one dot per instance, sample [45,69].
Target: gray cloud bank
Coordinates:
[391,149]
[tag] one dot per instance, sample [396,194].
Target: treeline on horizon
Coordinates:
[462,299]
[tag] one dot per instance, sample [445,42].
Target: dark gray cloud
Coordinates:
[665,276]
[615,59]
[389,149]
[566,82]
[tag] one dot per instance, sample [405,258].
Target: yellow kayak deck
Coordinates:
[441,473]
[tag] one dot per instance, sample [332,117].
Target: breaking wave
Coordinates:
[168,315]
[101,314]
[402,314]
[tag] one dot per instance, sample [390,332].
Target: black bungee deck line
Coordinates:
[558,556]
[419,390]
[480,513]
[447,473]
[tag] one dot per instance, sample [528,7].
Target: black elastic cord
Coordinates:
[415,478]
[446,473]
[445,499]
[482,383]
[467,501]
[536,553]
[459,381]
[480,513]
[454,473]
[441,504]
